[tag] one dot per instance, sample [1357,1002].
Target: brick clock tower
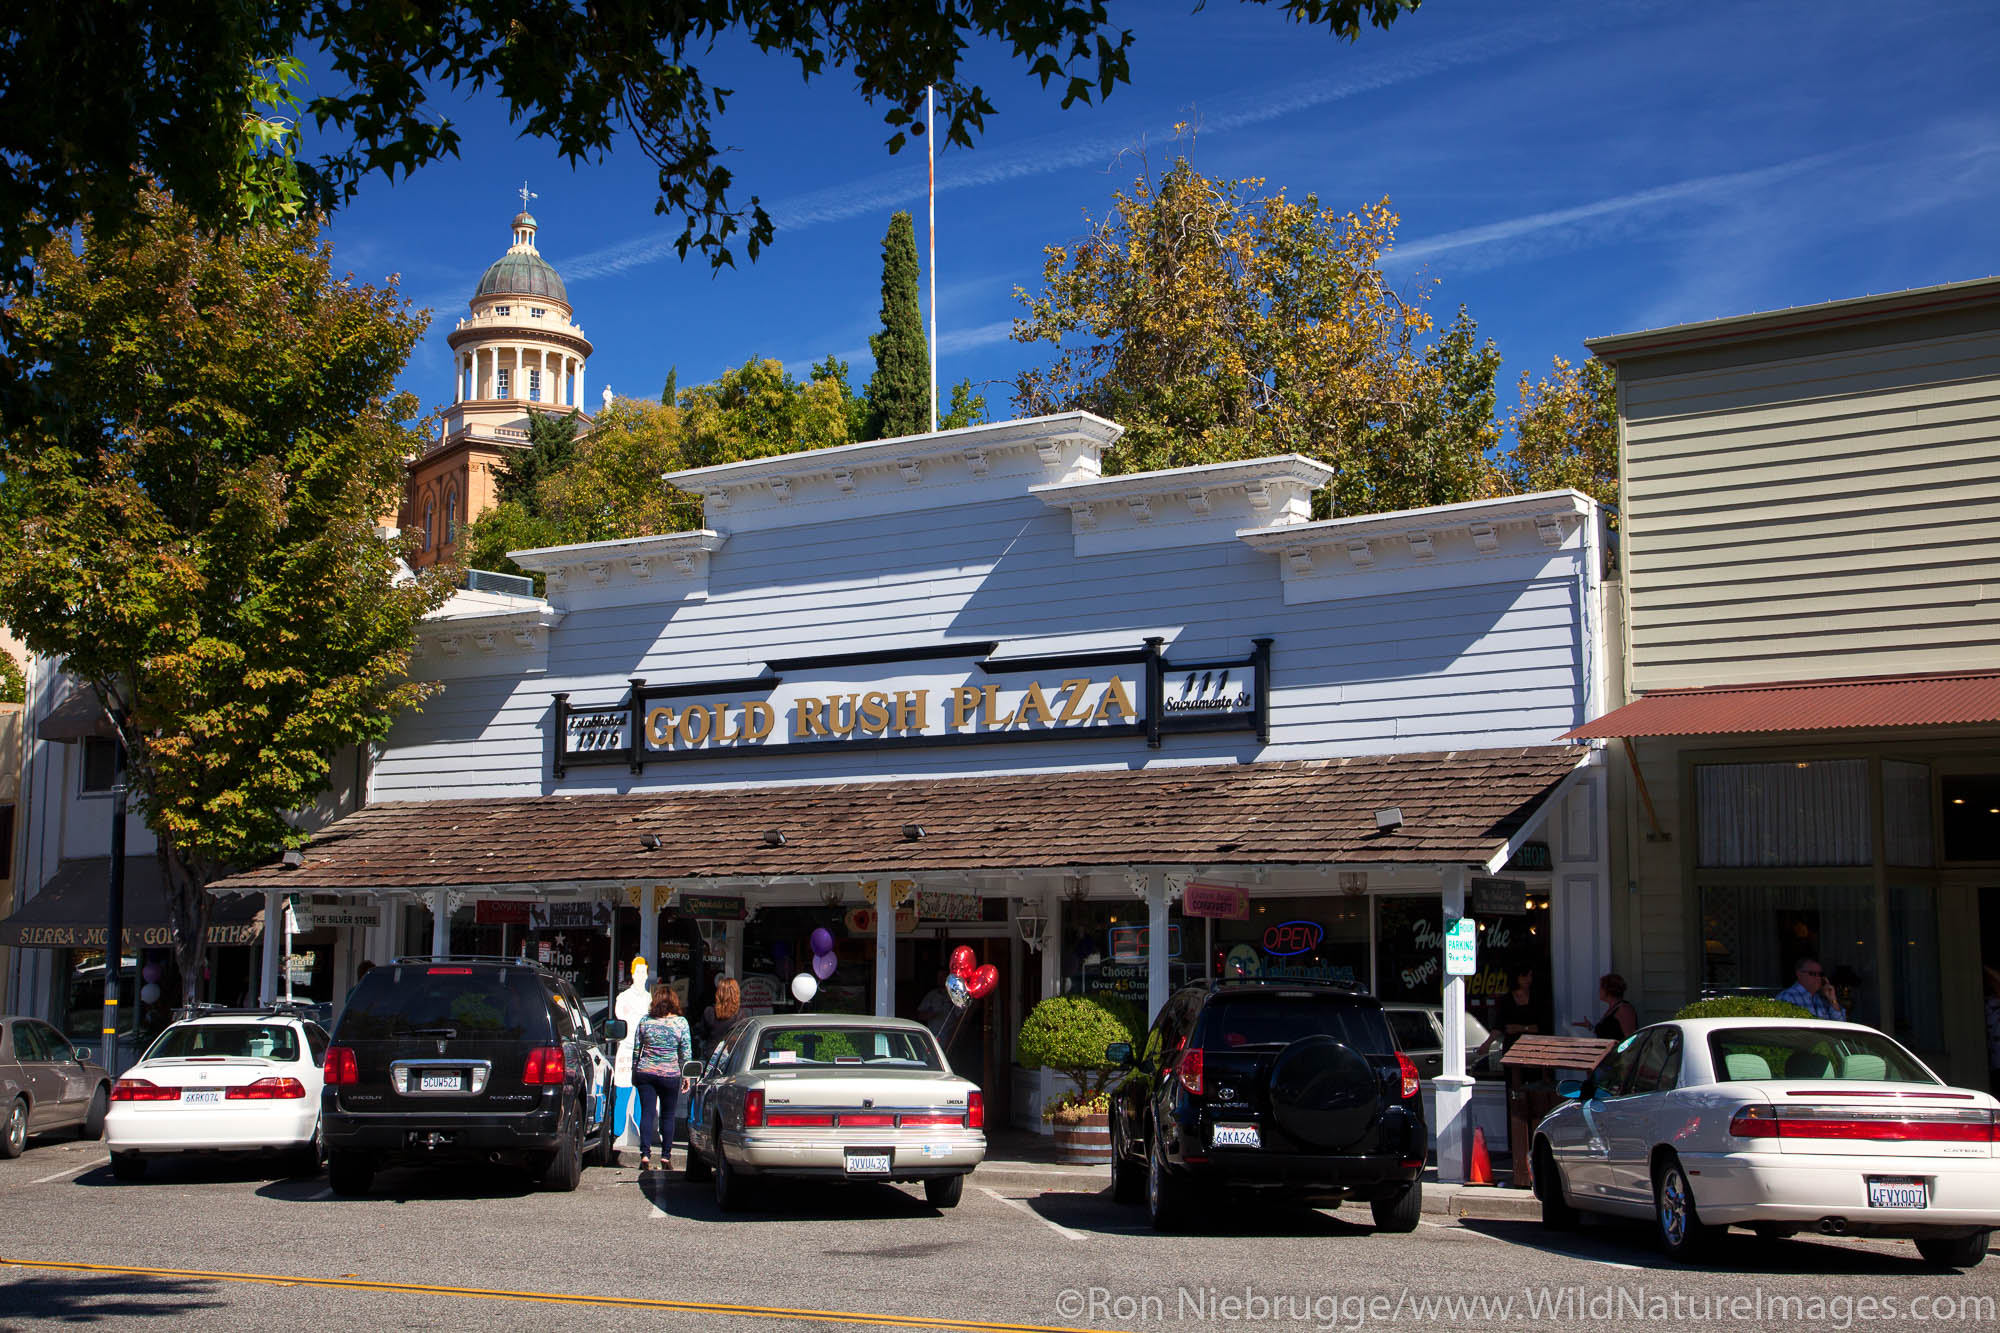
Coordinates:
[517,352]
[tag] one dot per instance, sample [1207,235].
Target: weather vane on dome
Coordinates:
[526,195]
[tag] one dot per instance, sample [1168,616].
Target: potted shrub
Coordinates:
[1068,1033]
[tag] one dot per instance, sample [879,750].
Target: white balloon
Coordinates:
[149,993]
[804,987]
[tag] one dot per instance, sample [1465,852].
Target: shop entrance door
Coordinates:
[1989,980]
[975,1038]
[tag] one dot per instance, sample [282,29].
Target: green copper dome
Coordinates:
[519,274]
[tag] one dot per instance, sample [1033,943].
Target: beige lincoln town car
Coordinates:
[833,1097]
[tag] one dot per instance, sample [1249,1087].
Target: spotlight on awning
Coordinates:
[913,832]
[774,837]
[1388,821]
[650,841]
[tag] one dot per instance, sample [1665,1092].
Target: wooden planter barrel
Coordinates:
[1088,1141]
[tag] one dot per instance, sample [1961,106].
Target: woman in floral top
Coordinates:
[659,1048]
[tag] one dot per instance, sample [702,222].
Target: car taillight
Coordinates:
[140,1090]
[1412,1083]
[1190,1070]
[1754,1122]
[339,1067]
[910,1121]
[266,1090]
[544,1067]
[799,1120]
[753,1109]
[865,1120]
[975,1111]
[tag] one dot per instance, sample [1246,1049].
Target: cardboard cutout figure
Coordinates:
[633,1004]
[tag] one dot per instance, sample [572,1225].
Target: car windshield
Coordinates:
[1279,1019]
[262,1041]
[1746,1055]
[444,1001]
[845,1045]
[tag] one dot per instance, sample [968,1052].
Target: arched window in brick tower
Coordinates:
[451,516]
[430,519]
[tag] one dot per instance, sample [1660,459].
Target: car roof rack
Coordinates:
[276,1009]
[1325,983]
[505,959]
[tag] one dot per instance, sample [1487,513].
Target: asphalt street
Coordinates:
[1029,1248]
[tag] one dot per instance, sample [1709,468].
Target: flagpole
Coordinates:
[930,148]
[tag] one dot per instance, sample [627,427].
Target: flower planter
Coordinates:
[1087,1141]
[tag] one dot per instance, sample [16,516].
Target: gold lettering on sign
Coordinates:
[660,727]
[833,715]
[1075,694]
[694,726]
[1036,704]
[1115,697]
[993,718]
[874,712]
[912,712]
[963,700]
[722,732]
[757,718]
[810,717]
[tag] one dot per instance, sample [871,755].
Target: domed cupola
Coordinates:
[522,271]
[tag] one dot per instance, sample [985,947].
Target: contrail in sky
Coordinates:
[1060,152]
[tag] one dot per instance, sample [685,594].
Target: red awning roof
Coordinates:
[1935,700]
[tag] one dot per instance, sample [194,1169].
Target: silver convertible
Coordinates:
[832,1097]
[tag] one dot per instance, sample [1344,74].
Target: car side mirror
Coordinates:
[692,1070]
[1119,1053]
[83,1054]
[614,1029]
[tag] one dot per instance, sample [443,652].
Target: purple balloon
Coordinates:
[823,965]
[822,942]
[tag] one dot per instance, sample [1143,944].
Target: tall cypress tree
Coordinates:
[899,392]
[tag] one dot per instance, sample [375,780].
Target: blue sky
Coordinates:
[1563,169]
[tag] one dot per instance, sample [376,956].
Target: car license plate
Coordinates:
[440,1083]
[200,1096]
[1237,1136]
[868,1163]
[1897,1192]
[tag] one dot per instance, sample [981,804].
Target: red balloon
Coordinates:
[963,960]
[982,981]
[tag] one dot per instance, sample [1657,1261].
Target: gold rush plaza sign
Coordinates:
[949,695]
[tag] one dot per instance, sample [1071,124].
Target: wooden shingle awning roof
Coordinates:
[1458,807]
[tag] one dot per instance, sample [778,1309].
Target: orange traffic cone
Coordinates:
[1481,1172]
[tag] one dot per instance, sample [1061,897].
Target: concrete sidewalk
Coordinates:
[1017,1156]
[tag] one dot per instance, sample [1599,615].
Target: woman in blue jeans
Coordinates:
[659,1049]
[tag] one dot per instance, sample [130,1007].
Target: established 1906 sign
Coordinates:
[956,694]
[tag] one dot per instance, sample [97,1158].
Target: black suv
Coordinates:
[465,1059]
[1281,1087]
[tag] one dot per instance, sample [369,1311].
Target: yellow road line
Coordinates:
[564,1298]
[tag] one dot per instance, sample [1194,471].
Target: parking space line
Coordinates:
[95,1161]
[1056,1227]
[856,1317]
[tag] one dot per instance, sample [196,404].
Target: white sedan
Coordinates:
[1781,1125]
[222,1082]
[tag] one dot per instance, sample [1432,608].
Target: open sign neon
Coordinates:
[1290,937]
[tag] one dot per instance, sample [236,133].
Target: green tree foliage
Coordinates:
[1068,1033]
[758,409]
[671,394]
[104,95]
[1216,322]
[965,409]
[899,392]
[13,681]
[1566,432]
[551,444]
[193,533]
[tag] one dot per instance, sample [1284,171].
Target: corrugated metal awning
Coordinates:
[1939,699]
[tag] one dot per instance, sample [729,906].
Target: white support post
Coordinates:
[440,921]
[885,949]
[1158,982]
[732,950]
[1051,955]
[274,925]
[649,930]
[1454,1088]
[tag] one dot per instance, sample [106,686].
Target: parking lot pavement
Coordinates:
[438,1248]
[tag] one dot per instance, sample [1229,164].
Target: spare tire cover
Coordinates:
[1324,1093]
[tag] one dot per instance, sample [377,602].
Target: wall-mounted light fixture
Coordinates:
[1034,927]
[1388,821]
[774,837]
[650,841]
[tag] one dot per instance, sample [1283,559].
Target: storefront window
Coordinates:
[1788,813]
[1314,939]
[1753,936]
[149,989]
[1971,816]
[1106,952]
[1913,933]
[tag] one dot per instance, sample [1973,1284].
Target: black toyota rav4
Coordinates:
[464,1059]
[1282,1088]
